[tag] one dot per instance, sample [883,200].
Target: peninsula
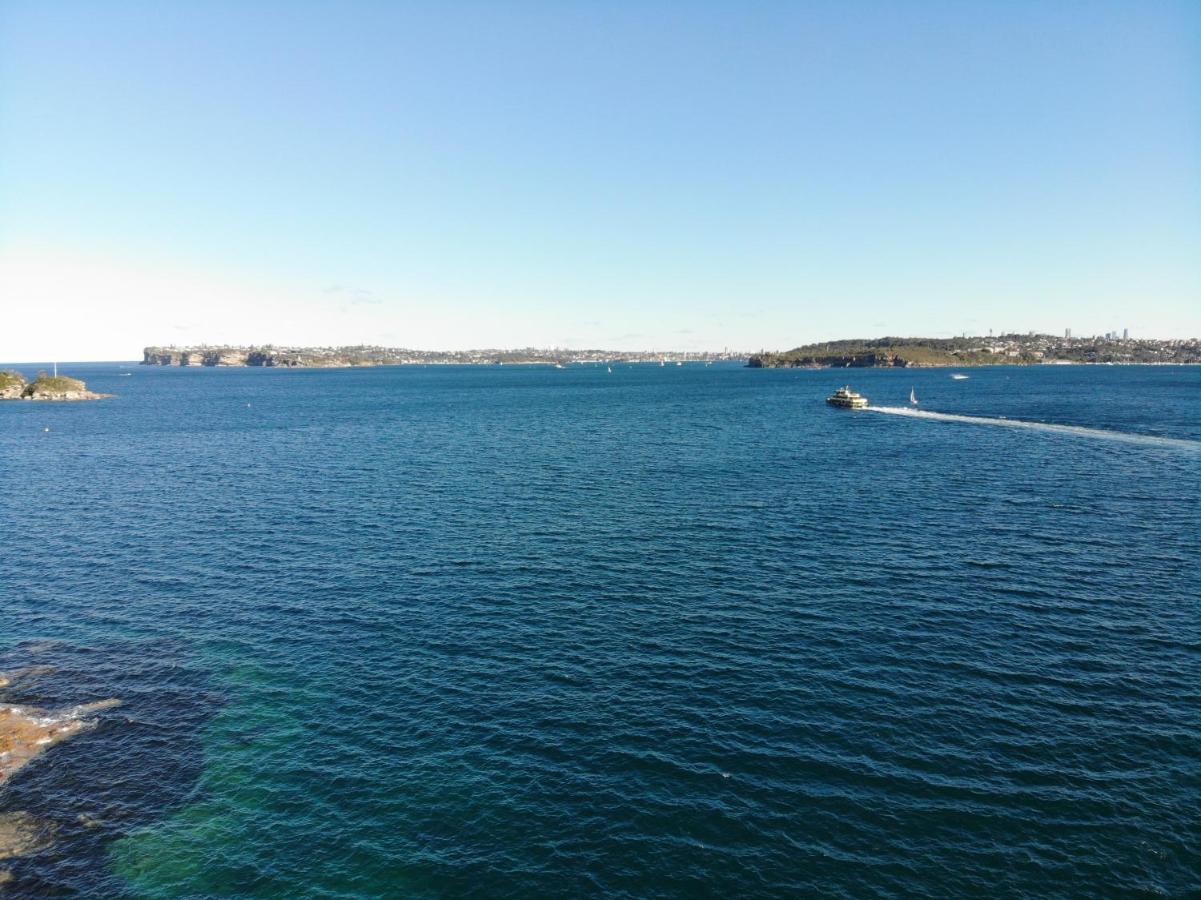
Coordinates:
[341,357]
[1007,349]
[13,386]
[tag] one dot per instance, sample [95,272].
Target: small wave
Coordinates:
[1073,430]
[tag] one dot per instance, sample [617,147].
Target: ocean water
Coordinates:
[665,632]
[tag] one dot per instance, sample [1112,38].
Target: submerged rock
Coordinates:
[22,834]
[7,678]
[26,732]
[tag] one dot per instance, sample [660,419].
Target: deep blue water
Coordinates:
[684,631]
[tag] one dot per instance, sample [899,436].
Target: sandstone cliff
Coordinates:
[269,357]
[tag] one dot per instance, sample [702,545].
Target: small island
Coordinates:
[13,386]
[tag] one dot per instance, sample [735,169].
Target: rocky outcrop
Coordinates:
[26,732]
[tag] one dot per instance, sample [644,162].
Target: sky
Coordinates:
[625,175]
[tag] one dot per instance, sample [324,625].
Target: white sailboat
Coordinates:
[912,397]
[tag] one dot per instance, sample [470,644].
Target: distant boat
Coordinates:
[912,397]
[124,374]
[679,362]
[959,377]
[847,399]
[662,362]
[558,365]
[610,370]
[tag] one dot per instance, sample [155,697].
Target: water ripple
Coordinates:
[462,632]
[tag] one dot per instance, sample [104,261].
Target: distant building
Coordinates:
[1125,334]
[1067,333]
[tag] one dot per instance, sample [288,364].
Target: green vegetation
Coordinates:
[44,387]
[1003,349]
[10,379]
[56,384]
[888,352]
[1012,349]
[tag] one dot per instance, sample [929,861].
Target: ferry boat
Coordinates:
[847,399]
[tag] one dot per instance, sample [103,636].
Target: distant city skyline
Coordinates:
[451,176]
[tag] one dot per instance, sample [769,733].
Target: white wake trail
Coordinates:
[1074,430]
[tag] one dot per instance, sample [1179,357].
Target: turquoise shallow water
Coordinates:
[666,632]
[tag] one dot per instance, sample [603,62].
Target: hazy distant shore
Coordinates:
[885,352]
[344,357]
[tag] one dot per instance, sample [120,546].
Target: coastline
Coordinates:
[368,356]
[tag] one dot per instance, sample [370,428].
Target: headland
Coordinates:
[1007,349]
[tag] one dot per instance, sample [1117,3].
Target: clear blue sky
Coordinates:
[617,174]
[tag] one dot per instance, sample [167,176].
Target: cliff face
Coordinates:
[159,356]
[268,357]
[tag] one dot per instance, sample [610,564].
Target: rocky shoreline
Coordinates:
[14,386]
